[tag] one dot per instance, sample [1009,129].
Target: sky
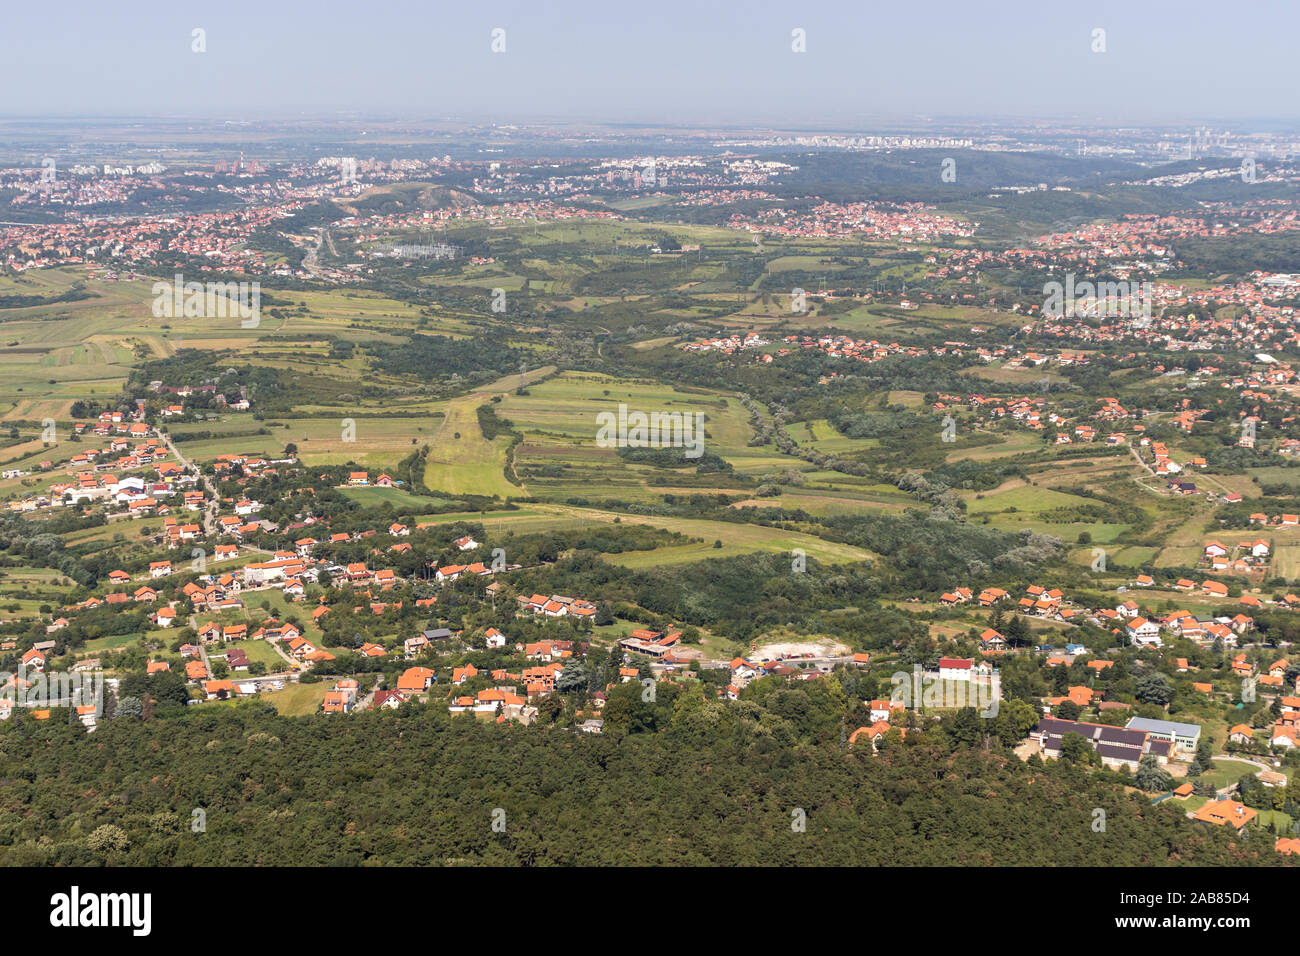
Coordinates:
[698,62]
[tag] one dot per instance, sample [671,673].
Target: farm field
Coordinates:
[1021,507]
[297,700]
[739,538]
[463,461]
[558,422]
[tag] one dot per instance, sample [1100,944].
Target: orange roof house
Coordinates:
[1242,731]
[1225,813]
[415,680]
[216,688]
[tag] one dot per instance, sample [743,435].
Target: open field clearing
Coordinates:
[831,504]
[736,538]
[297,700]
[1017,506]
[399,498]
[376,441]
[1178,557]
[1133,556]
[462,461]
[740,538]
[1286,562]
[1015,443]
[819,434]
[559,457]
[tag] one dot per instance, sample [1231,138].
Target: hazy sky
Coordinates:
[659,61]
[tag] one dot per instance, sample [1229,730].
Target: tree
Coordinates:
[572,678]
[107,838]
[550,708]
[1204,753]
[1075,749]
[963,728]
[1151,777]
[1014,721]
[604,614]
[1068,710]
[1155,689]
[1017,634]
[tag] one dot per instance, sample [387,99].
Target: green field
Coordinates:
[297,700]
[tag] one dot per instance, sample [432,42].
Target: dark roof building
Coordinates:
[1115,745]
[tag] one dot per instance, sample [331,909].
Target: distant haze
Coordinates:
[667,61]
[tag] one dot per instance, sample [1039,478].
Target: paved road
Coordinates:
[1254,763]
[311,260]
[1138,458]
[210,510]
[365,702]
[293,667]
[1232,787]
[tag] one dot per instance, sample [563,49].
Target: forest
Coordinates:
[716,785]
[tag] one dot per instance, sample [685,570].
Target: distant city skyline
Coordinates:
[699,63]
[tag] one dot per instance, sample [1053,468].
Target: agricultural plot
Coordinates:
[1021,506]
[1008,444]
[559,457]
[399,498]
[1286,562]
[462,461]
[735,538]
[297,700]
[821,436]
[1185,557]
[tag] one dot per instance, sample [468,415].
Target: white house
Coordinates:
[1144,633]
[954,668]
[743,670]
[881,709]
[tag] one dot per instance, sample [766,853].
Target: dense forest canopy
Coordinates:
[718,785]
